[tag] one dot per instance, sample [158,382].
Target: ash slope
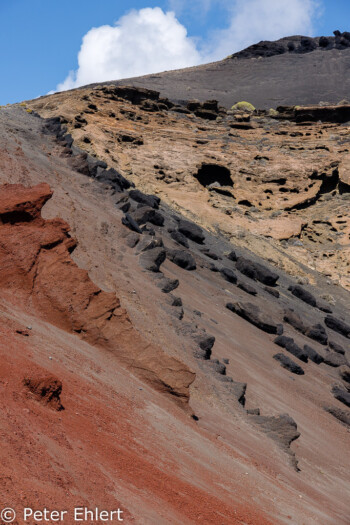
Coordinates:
[291,71]
[249,455]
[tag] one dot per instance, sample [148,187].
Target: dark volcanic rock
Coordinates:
[179,238]
[287,363]
[272,291]
[337,348]
[182,258]
[317,333]
[152,259]
[302,294]
[130,223]
[167,285]
[251,313]
[143,198]
[232,256]
[313,355]
[342,395]
[342,415]
[148,243]
[210,254]
[344,372]
[132,239]
[337,325]
[289,344]
[147,214]
[282,428]
[191,231]
[218,367]
[228,275]
[239,391]
[205,343]
[294,319]
[247,288]
[256,271]
[111,177]
[334,359]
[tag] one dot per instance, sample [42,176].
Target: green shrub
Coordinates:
[273,112]
[243,106]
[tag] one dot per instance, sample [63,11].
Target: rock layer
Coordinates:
[36,266]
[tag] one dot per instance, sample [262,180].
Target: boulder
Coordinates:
[179,238]
[167,285]
[342,415]
[289,344]
[147,214]
[232,256]
[342,395]
[318,333]
[314,356]
[288,364]
[337,325]
[210,254]
[251,313]
[344,372]
[247,288]
[336,348]
[205,343]
[302,294]
[335,360]
[191,231]
[152,259]
[149,200]
[272,291]
[112,178]
[294,319]
[132,239]
[130,223]
[228,275]
[256,271]
[183,259]
[148,243]
[218,367]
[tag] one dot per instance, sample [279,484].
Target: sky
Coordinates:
[48,45]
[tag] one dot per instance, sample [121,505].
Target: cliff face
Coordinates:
[37,270]
[278,186]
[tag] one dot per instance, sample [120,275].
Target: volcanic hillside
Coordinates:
[175,319]
[296,70]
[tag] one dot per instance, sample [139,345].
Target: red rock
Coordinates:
[37,268]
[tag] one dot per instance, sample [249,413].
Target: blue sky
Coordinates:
[40,39]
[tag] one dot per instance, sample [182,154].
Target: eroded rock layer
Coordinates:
[37,269]
[275,184]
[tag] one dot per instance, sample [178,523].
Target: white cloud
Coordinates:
[255,20]
[141,42]
[150,40]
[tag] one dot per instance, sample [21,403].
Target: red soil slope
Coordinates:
[36,266]
[76,428]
